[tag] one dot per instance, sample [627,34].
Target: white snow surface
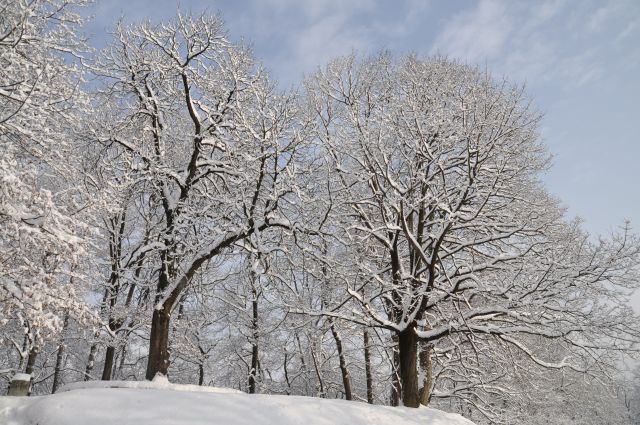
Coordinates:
[21,377]
[161,403]
[157,384]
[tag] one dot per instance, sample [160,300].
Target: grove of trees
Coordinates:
[379,234]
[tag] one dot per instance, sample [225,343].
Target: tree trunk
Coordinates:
[320,384]
[303,364]
[113,290]
[23,353]
[57,370]
[396,389]
[123,357]
[91,361]
[108,363]
[94,347]
[346,381]
[31,360]
[408,353]
[159,343]
[254,344]
[367,366]
[201,374]
[59,357]
[286,372]
[427,366]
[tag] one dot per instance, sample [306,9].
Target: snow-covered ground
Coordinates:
[161,403]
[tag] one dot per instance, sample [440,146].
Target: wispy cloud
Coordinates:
[548,41]
[478,34]
[306,34]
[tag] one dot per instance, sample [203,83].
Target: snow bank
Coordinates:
[132,403]
[156,384]
[21,377]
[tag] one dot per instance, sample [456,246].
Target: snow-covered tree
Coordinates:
[195,126]
[433,169]
[41,221]
[380,236]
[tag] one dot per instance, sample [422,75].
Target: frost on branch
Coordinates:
[439,232]
[41,243]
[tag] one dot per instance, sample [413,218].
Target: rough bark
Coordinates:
[201,374]
[254,344]
[367,366]
[346,381]
[427,367]
[320,384]
[115,252]
[23,352]
[408,354]
[57,372]
[123,358]
[158,361]
[286,371]
[91,361]
[31,360]
[108,363]
[396,389]
[159,343]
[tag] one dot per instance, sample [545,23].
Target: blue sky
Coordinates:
[580,61]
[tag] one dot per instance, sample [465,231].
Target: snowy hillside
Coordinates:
[162,403]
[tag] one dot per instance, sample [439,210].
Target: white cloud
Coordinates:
[325,39]
[478,34]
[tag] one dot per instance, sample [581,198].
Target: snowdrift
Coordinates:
[161,403]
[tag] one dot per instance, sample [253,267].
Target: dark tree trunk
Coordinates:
[90,362]
[367,366]
[57,370]
[201,374]
[31,360]
[123,358]
[254,368]
[94,347]
[320,384]
[158,361]
[115,250]
[108,363]
[159,343]
[286,372]
[59,357]
[346,381]
[396,389]
[427,366]
[254,344]
[25,345]
[408,353]
[110,354]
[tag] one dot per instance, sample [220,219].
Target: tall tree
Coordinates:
[433,167]
[41,220]
[209,144]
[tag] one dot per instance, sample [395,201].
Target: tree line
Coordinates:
[378,234]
